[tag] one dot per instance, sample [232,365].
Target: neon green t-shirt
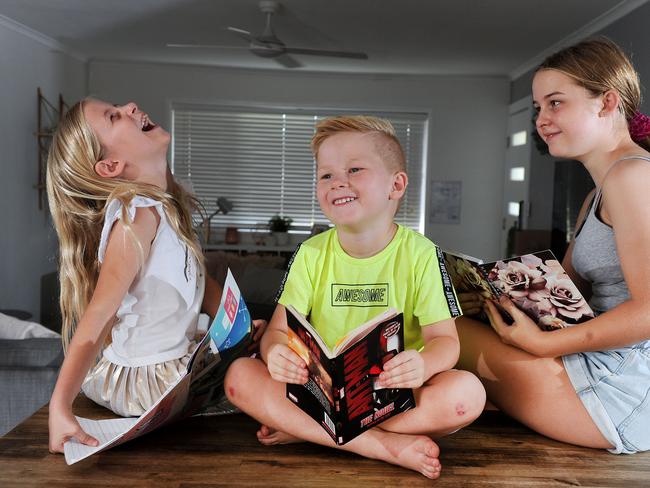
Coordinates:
[338,292]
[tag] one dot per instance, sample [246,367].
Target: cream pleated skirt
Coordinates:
[130,391]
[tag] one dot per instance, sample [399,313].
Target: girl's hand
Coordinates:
[406,370]
[523,333]
[63,427]
[285,365]
[259,326]
[471,302]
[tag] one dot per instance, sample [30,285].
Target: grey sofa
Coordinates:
[29,367]
[28,370]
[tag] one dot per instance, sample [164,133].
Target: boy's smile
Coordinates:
[343,201]
[355,188]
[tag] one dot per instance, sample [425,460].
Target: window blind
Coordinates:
[260,160]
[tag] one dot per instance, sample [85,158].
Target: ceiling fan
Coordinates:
[268,45]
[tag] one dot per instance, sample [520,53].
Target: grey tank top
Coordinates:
[596,260]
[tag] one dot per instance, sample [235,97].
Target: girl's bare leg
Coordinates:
[535,391]
[249,386]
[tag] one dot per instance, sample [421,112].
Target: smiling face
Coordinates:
[568,116]
[133,147]
[356,189]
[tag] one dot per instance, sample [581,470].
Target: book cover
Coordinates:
[340,393]
[536,283]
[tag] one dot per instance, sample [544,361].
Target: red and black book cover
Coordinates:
[340,393]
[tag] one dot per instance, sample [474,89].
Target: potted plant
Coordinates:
[279,227]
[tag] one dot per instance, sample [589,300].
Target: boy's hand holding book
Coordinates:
[285,365]
[406,370]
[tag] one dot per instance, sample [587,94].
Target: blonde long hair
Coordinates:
[78,197]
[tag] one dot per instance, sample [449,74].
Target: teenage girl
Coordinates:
[588,384]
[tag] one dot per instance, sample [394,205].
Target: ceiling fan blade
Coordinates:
[244,34]
[287,61]
[203,46]
[319,52]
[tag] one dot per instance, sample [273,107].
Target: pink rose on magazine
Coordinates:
[566,298]
[546,315]
[518,280]
[552,267]
[535,309]
[544,307]
[530,260]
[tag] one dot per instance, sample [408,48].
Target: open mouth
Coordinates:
[147,125]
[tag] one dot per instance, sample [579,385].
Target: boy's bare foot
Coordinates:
[269,437]
[416,452]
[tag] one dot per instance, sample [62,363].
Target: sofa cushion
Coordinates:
[13,328]
[31,353]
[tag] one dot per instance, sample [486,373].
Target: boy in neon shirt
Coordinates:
[343,277]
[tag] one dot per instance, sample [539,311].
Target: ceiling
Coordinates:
[468,37]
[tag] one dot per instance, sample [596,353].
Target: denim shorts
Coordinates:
[614,387]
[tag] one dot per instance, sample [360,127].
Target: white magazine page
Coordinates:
[131,427]
[105,431]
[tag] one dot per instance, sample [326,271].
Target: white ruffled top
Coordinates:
[158,316]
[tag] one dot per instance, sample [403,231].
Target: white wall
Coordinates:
[27,241]
[466,131]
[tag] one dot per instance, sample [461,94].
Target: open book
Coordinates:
[198,390]
[536,283]
[340,393]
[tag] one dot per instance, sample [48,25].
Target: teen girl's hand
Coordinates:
[523,333]
[63,426]
[406,370]
[285,365]
[471,302]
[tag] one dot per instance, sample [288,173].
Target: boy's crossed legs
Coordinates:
[447,402]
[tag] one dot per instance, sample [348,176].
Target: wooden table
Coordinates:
[223,451]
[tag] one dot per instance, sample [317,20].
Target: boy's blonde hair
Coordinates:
[77,198]
[386,143]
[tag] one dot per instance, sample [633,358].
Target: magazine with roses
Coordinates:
[536,283]
[340,393]
[198,390]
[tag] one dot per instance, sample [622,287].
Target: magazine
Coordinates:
[340,393]
[198,390]
[536,283]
